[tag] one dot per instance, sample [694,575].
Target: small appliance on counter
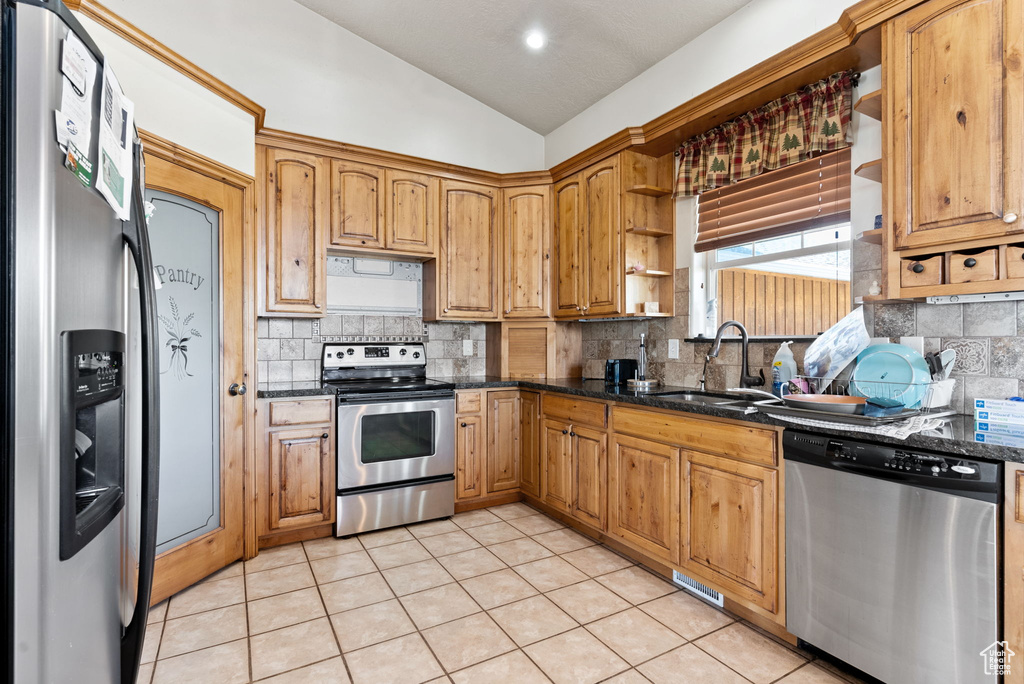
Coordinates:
[640,382]
[618,371]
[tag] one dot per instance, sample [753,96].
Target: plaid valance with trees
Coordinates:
[782,132]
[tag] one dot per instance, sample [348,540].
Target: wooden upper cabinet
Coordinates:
[411,212]
[357,205]
[602,243]
[730,528]
[529,443]
[467,266]
[295,216]
[644,488]
[954,110]
[526,249]
[503,422]
[568,231]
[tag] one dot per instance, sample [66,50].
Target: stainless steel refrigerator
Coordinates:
[78,414]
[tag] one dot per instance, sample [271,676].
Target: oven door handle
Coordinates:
[397,398]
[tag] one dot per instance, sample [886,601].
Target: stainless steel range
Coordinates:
[396,436]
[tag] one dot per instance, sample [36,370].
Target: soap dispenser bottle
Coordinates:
[783,368]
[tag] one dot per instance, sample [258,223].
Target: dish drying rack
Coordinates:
[935,398]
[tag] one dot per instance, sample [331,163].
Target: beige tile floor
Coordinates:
[498,595]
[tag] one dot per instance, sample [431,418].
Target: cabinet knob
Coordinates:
[462,425]
[326,435]
[362,242]
[565,432]
[572,434]
[970,263]
[1009,217]
[446,311]
[917,268]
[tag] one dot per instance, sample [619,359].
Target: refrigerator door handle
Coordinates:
[136,236]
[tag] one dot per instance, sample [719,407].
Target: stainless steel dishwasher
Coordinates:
[892,558]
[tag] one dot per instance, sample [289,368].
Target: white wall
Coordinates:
[754,33]
[175,107]
[316,78]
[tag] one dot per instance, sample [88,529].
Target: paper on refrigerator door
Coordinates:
[114,160]
[77,63]
[74,118]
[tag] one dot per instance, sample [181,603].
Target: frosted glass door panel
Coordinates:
[185,239]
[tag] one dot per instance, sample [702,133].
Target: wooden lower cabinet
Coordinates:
[503,420]
[296,478]
[469,457]
[589,475]
[644,486]
[556,464]
[529,443]
[730,527]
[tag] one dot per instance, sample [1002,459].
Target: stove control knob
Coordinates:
[350,351]
[403,352]
[935,469]
[415,355]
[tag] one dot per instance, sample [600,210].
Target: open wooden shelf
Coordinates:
[650,273]
[879,299]
[870,105]
[872,236]
[650,190]
[871,170]
[651,232]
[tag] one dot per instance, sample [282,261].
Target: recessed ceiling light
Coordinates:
[535,39]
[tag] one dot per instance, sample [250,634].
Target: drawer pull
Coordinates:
[1009,217]
[970,263]
[917,268]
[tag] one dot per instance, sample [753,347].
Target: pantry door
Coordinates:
[197,235]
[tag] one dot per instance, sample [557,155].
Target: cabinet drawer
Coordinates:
[738,441]
[301,412]
[1015,261]
[968,267]
[469,402]
[575,410]
[923,271]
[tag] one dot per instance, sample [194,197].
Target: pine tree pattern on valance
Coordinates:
[782,132]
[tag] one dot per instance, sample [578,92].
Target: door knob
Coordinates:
[1009,217]
[236,390]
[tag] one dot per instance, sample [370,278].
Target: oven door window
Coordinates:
[397,436]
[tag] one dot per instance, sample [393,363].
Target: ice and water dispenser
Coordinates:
[92,439]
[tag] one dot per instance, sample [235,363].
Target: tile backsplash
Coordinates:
[288,350]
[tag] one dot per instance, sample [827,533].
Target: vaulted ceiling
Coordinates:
[593,46]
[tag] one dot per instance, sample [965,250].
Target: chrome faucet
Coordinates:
[746,379]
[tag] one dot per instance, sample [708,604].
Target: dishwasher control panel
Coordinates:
[889,458]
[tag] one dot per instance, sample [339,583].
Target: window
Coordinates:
[777,249]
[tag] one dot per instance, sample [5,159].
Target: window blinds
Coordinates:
[801,196]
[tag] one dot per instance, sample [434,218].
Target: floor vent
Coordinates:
[695,587]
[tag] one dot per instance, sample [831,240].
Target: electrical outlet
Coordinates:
[467,347]
[673,349]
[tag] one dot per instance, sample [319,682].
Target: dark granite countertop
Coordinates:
[955,436]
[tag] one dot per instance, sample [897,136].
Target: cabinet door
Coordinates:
[602,246]
[556,462]
[295,217]
[468,262]
[954,111]
[590,475]
[503,441]
[469,457]
[301,478]
[357,205]
[1013,566]
[527,252]
[730,527]
[411,212]
[644,489]
[568,234]
[529,443]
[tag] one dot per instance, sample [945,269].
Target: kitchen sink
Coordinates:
[738,401]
